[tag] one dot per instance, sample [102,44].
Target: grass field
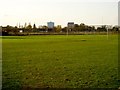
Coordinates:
[75,61]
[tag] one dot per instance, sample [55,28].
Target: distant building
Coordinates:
[70,25]
[21,31]
[96,26]
[50,25]
[109,26]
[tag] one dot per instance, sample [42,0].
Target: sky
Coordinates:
[90,12]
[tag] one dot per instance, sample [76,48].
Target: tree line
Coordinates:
[14,30]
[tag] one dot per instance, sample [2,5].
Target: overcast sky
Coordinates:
[59,11]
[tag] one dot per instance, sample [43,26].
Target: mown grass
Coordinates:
[75,61]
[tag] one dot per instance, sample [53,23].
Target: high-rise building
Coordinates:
[70,25]
[50,25]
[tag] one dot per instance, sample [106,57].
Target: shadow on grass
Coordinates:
[10,37]
[11,84]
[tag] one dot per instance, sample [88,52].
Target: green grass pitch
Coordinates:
[60,61]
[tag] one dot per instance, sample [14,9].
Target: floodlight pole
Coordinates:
[107,33]
[67,31]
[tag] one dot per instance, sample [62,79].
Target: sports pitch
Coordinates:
[60,61]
